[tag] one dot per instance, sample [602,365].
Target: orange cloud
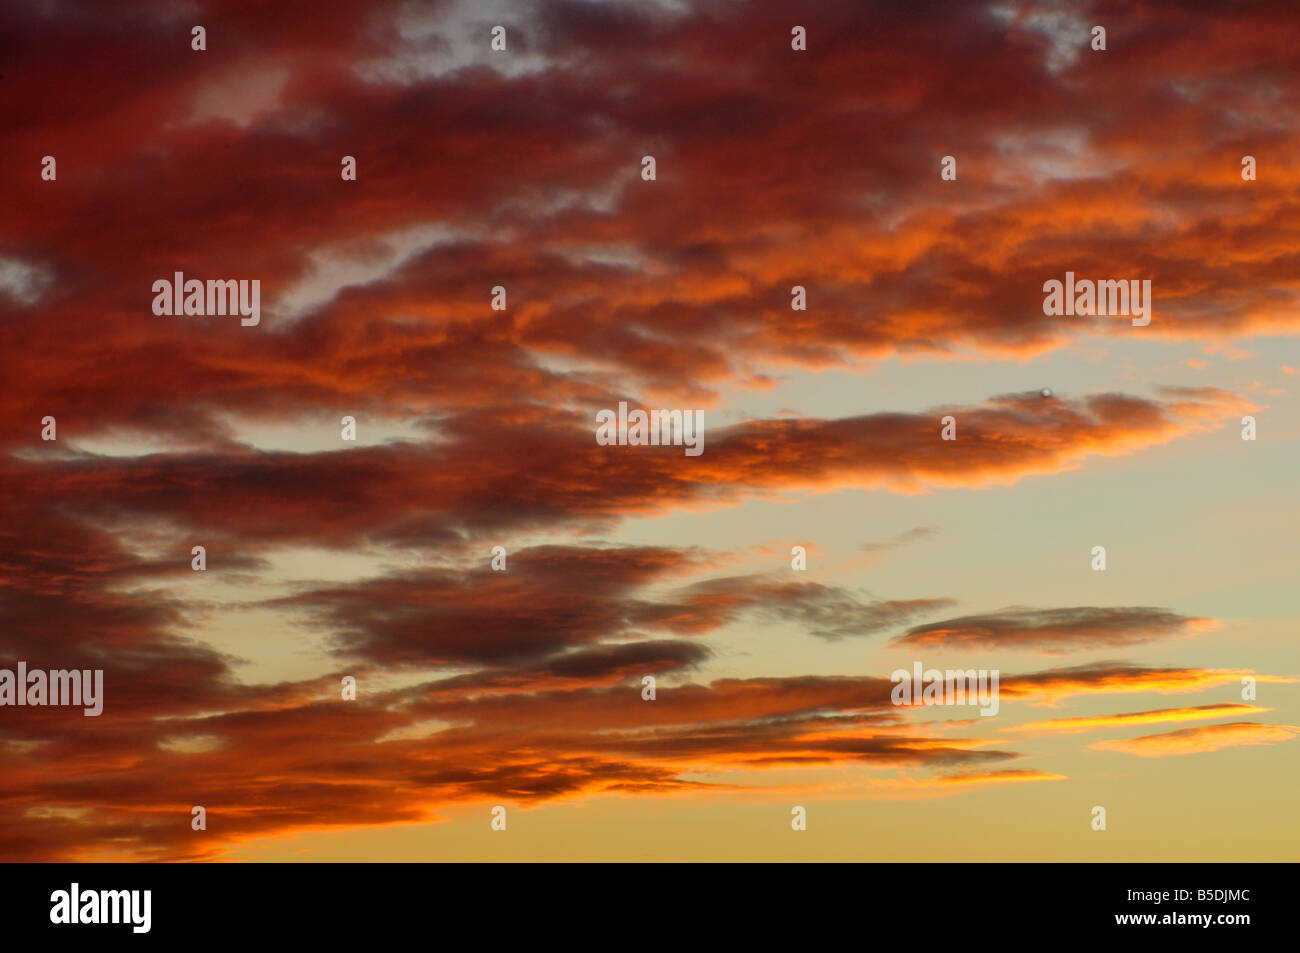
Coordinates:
[1157,716]
[1056,685]
[1009,775]
[376,305]
[1200,739]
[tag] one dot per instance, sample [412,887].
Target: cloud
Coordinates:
[828,612]
[1053,631]
[564,739]
[775,169]
[911,535]
[1201,738]
[997,777]
[557,476]
[1157,716]
[1052,686]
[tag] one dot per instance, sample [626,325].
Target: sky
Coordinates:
[1161,689]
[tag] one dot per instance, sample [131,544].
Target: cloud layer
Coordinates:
[521,170]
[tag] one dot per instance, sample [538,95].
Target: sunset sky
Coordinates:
[475,428]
